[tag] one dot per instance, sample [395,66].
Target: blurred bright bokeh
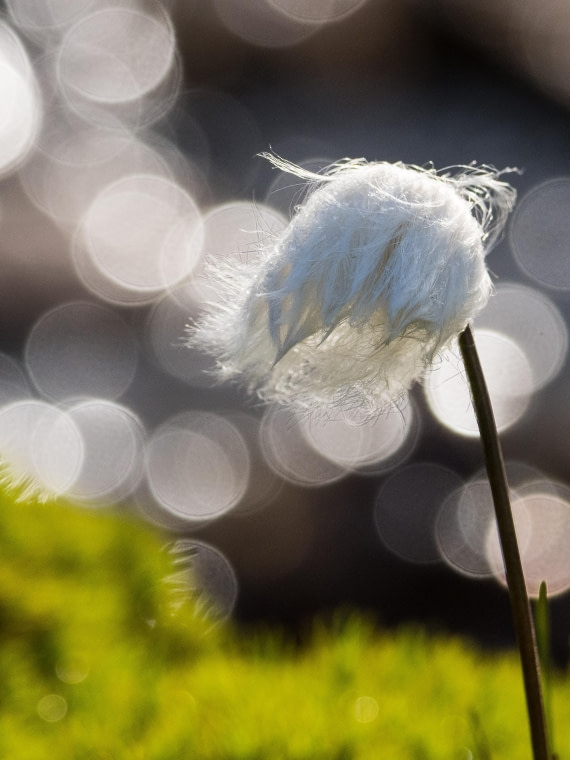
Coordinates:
[128,134]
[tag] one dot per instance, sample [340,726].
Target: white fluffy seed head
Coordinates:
[379,269]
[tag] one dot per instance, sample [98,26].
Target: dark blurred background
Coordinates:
[129,134]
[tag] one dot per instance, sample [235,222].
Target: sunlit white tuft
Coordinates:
[378,270]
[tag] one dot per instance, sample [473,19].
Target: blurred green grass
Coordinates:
[94,666]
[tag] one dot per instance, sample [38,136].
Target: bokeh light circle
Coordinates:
[361,442]
[75,161]
[366,709]
[317,11]
[116,55]
[52,708]
[288,453]
[143,233]
[42,449]
[462,526]
[165,332]
[541,513]
[407,506]
[81,349]
[203,577]
[104,287]
[540,234]
[113,444]
[42,18]
[264,485]
[260,23]
[533,321]
[20,115]
[509,378]
[467,518]
[197,466]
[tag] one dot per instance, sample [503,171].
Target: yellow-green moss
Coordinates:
[84,616]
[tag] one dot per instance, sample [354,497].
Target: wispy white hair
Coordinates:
[378,270]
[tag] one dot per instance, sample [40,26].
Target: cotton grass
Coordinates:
[378,270]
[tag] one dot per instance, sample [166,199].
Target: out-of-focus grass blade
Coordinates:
[542,626]
[480,739]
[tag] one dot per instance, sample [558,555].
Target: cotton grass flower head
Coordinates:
[378,270]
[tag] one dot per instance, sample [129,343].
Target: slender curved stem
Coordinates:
[520,604]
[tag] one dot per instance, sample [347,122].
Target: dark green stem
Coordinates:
[520,604]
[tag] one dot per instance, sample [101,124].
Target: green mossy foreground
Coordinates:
[93,666]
